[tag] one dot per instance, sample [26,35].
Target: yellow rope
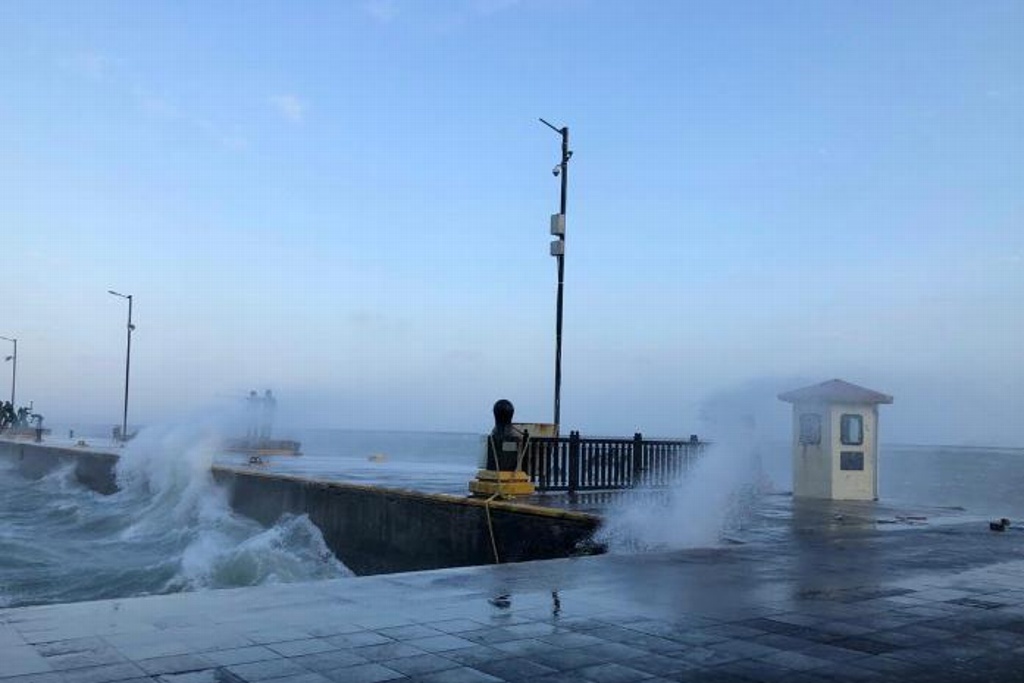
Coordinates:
[497,493]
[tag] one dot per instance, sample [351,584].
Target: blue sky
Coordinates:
[348,203]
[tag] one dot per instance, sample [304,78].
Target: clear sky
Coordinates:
[348,203]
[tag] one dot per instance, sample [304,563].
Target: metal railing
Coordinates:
[576,464]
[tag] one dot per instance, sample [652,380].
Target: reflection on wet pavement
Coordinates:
[823,591]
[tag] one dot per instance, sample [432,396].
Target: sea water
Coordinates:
[170,527]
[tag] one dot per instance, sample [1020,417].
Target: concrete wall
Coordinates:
[92,469]
[372,530]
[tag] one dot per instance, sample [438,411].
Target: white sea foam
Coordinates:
[165,473]
[715,497]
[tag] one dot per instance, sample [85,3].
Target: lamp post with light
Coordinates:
[558,251]
[127,363]
[14,367]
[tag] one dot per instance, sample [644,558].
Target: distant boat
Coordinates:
[261,447]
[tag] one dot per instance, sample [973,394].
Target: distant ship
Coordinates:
[257,442]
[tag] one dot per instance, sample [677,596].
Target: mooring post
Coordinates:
[574,461]
[638,457]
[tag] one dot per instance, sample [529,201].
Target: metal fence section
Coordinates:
[576,464]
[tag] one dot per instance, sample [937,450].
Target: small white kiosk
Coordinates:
[835,440]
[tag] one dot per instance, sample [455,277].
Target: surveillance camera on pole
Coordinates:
[558,251]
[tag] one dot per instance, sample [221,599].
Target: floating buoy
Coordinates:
[378,457]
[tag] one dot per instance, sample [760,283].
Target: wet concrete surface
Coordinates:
[834,592]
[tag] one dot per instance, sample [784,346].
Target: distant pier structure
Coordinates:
[835,440]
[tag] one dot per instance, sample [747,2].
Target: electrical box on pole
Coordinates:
[558,224]
[557,248]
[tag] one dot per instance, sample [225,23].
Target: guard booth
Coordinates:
[835,440]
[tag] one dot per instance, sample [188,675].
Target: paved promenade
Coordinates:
[830,594]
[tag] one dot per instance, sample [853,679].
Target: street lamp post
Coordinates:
[14,369]
[558,251]
[127,364]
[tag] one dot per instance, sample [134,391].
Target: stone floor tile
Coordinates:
[19,660]
[565,660]
[796,661]
[241,655]
[570,639]
[613,673]
[782,642]
[358,639]
[47,677]
[644,641]
[733,631]
[757,671]
[489,636]
[420,664]
[216,675]
[471,656]
[524,647]
[515,669]
[81,660]
[267,636]
[104,674]
[408,632]
[455,626]
[536,629]
[832,653]
[459,675]
[890,666]
[392,650]
[175,664]
[441,643]
[744,649]
[871,647]
[307,677]
[618,652]
[698,638]
[561,677]
[74,645]
[205,642]
[333,627]
[796,619]
[843,671]
[705,657]
[328,661]
[266,670]
[363,673]
[295,648]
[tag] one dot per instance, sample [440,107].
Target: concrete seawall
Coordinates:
[372,530]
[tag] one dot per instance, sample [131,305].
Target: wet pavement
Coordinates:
[837,592]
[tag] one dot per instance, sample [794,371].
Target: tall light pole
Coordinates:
[127,363]
[558,251]
[14,369]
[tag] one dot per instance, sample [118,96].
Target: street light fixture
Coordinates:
[127,363]
[14,368]
[558,251]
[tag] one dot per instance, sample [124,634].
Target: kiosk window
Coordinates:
[851,429]
[810,428]
[851,460]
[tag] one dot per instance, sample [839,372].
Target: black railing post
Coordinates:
[638,457]
[574,461]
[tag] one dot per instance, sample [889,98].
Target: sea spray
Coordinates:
[716,496]
[709,500]
[168,529]
[167,471]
